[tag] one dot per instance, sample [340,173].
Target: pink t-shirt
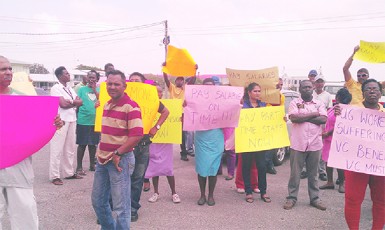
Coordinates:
[328,140]
[306,136]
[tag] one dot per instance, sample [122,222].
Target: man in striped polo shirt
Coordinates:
[122,129]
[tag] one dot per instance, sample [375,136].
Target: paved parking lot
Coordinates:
[69,206]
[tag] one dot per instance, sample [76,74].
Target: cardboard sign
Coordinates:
[358,142]
[179,63]
[261,129]
[211,107]
[171,129]
[146,96]
[26,125]
[266,78]
[371,52]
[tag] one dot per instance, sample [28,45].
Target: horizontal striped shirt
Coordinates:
[120,121]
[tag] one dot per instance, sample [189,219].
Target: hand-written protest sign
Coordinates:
[146,96]
[372,52]
[261,129]
[211,107]
[21,137]
[266,78]
[171,129]
[358,142]
[179,63]
[21,83]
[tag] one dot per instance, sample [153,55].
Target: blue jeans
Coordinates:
[142,156]
[109,182]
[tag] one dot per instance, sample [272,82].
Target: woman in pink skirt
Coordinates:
[161,164]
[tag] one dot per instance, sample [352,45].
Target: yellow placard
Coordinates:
[266,78]
[21,83]
[171,129]
[371,52]
[179,63]
[261,129]
[144,94]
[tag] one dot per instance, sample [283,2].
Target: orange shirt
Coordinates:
[176,92]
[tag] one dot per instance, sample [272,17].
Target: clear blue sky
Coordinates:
[296,36]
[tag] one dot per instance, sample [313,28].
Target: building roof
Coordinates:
[12,61]
[43,77]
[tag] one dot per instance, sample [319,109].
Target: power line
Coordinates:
[87,32]
[286,30]
[289,22]
[53,22]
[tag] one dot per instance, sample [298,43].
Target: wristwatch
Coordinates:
[157,127]
[117,153]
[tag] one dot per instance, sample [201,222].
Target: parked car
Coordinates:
[281,153]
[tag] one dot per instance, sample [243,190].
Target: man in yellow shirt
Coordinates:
[177,92]
[353,86]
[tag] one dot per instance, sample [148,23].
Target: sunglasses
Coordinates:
[362,75]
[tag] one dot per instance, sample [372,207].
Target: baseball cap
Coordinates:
[216,80]
[313,72]
[319,77]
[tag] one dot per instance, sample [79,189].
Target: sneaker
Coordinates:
[256,190]
[303,174]
[57,181]
[318,205]
[154,198]
[341,187]
[134,217]
[175,198]
[240,190]
[289,204]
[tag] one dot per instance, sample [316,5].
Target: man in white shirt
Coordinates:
[320,94]
[62,146]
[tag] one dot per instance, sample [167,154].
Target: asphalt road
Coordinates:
[69,206]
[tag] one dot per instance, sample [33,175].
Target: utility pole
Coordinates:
[166,39]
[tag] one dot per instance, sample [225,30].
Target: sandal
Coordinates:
[266,198]
[81,172]
[201,201]
[229,177]
[211,201]
[249,198]
[75,176]
[57,181]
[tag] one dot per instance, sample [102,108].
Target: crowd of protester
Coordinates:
[123,158]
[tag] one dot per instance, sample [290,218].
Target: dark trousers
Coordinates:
[183,150]
[247,160]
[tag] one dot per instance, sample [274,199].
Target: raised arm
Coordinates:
[194,78]
[165,77]
[347,65]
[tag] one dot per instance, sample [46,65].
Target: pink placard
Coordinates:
[209,107]
[26,125]
[358,142]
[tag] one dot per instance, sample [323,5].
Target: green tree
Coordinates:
[38,69]
[87,67]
